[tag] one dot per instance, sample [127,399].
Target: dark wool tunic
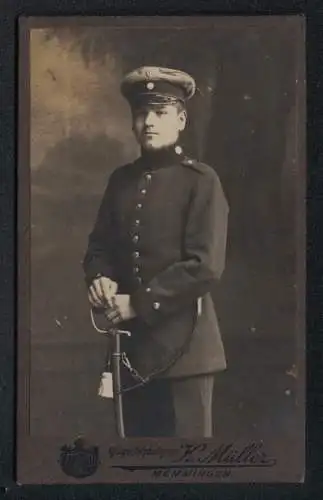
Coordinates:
[161,235]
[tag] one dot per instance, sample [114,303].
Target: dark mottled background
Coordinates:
[244,123]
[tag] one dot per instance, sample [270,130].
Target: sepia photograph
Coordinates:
[162,170]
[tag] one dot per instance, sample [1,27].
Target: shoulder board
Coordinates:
[194,164]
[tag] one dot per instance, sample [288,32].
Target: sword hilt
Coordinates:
[111,329]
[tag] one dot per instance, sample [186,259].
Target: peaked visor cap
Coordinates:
[155,85]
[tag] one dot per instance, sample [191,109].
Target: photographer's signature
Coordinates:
[196,457]
[228,455]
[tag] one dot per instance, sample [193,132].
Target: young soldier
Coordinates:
[156,251]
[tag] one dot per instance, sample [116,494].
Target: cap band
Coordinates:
[160,87]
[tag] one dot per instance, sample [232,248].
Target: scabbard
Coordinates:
[116,380]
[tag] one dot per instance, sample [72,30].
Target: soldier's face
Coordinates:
[157,127]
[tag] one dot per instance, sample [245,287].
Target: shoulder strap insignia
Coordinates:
[194,164]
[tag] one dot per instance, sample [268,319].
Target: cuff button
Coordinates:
[156,306]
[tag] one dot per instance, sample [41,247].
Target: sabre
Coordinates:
[116,359]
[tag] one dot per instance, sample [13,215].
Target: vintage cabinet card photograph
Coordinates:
[161,212]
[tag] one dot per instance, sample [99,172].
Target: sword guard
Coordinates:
[122,332]
[102,325]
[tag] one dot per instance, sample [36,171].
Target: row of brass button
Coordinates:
[135,237]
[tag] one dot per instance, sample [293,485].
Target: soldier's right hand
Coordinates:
[101,292]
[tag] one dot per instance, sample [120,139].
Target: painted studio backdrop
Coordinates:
[244,123]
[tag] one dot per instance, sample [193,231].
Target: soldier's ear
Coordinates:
[182,119]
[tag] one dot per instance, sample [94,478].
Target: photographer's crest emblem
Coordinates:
[79,460]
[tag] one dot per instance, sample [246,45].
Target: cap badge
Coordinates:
[150,85]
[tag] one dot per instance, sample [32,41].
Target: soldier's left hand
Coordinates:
[122,309]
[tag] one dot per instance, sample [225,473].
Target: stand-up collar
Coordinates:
[162,157]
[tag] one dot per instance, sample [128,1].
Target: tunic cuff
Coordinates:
[146,305]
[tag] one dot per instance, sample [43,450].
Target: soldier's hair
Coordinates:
[180,106]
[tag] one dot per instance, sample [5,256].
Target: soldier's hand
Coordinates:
[122,309]
[101,292]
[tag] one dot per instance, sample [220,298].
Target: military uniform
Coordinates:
[160,234]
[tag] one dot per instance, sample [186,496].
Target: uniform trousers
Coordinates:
[179,407]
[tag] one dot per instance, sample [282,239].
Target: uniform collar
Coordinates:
[162,157]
